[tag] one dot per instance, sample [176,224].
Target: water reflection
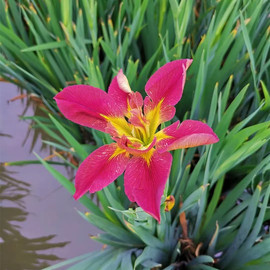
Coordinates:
[18,251]
[38,216]
[12,189]
[33,104]
[33,134]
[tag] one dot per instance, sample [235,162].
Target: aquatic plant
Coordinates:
[140,148]
[17,250]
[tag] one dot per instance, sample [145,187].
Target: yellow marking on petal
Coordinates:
[139,134]
[121,126]
[161,136]
[118,151]
[143,134]
[134,139]
[128,114]
[153,116]
[147,156]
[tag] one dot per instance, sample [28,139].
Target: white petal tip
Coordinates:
[123,82]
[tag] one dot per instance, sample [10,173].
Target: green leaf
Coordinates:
[145,235]
[266,105]
[201,267]
[225,121]
[99,260]
[126,263]
[249,48]
[212,245]
[199,88]
[214,202]
[71,261]
[253,236]
[30,162]
[45,46]
[202,259]
[108,51]
[192,199]
[48,131]
[255,253]
[72,141]
[235,193]
[108,239]
[244,229]
[150,257]
[225,95]
[213,107]
[111,228]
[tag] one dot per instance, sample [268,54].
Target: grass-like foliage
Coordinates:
[221,216]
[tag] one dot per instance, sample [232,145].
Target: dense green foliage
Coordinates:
[221,191]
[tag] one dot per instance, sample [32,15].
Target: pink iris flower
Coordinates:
[141,148]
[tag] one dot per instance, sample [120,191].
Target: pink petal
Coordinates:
[168,82]
[100,169]
[190,133]
[137,119]
[165,113]
[117,93]
[145,181]
[84,104]
[135,100]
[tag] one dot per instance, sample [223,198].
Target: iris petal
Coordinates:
[133,123]
[100,169]
[84,104]
[145,181]
[189,133]
[118,94]
[168,82]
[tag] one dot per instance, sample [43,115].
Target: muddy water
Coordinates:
[38,219]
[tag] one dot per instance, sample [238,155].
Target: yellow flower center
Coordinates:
[137,129]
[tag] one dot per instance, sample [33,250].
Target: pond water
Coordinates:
[39,223]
